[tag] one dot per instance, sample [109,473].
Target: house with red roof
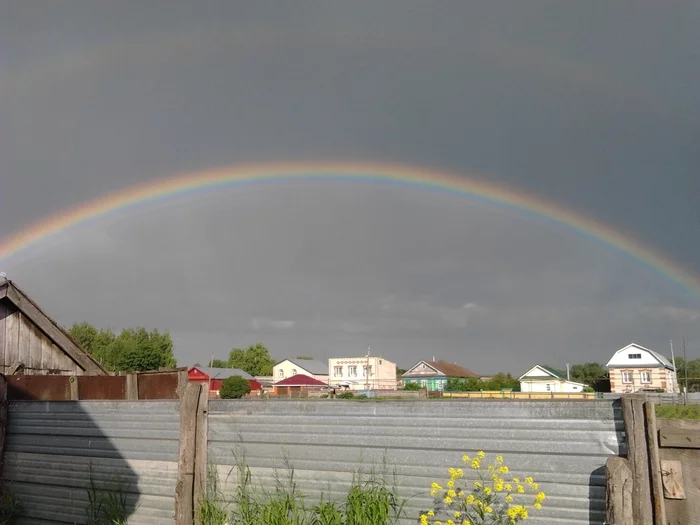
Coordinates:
[296,384]
[433,375]
[215,376]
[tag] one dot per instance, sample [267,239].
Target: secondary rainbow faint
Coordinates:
[424,179]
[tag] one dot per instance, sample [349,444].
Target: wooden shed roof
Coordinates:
[61,338]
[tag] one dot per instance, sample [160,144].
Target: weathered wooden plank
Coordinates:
[184,490]
[24,338]
[12,334]
[47,353]
[53,332]
[686,511]
[34,360]
[132,386]
[4,312]
[679,438]
[635,430]
[673,479]
[201,465]
[657,490]
[619,483]
[3,419]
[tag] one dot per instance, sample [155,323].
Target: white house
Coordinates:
[308,367]
[362,373]
[545,379]
[635,368]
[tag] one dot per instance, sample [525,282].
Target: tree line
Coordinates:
[132,350]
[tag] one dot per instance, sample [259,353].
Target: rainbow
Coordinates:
[410,176]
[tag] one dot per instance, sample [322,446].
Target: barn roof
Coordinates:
[300,380]
[61,338]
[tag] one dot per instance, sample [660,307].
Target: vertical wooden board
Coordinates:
[12,332]
[657,491]
[4,312]
[25,334]
[46,353]
[34,360]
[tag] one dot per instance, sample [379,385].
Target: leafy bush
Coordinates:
[345,395]
[361,396]
[491,500]
[234,387]
[9,507]
[411,386]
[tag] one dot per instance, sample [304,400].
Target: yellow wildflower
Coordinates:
[452,494]
[488,510]
[457,514]
[529,480]
[431,513]
[509,487]
[498,486]
[450,484]
[534,486]
[470,499]
[476,463]
[424,519]
[540,497]
[477,484]
[447,499]
[449,522]
[481,454]
[509,498]
[538,506]
[487,491]
[499,459]
[465,458]
[521,490]
[516,480]
[503,469]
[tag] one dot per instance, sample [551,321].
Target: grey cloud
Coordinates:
[97,98]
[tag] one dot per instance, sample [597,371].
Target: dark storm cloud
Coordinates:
[590,105]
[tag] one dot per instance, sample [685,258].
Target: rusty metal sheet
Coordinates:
[102,387]
[38,388]
[158,385]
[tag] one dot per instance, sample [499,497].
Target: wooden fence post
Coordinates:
[74,390]
[635,430]
[618,491]
[3,419]
[132,386]
[657,489]
[184,491]
[201,463]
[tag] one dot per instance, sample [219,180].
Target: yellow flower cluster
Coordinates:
[490,500]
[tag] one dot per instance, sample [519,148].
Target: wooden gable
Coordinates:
[422,369]
[34,344]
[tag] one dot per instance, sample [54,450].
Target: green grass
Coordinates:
[9,507]
[107,505]
[370,500]
[678,411]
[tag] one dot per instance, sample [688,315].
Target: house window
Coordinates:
[549,387]
[645,377]
[367,370]
[352,371]
[337,371]
[280,373]
[294,371]
[627,377]
[634,356]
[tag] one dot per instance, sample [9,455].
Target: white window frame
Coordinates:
[643,375]
[367,370]
[352,370]
[630,376]
[294,371]
[338,371]
[280,373]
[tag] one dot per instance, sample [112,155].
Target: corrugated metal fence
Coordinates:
[52,446]
[562,444]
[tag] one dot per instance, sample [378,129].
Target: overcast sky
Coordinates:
[591,105]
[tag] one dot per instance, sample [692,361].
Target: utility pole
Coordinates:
[675,371]
[367,370]
[685,359]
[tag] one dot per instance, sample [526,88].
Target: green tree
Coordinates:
[588,373]
[219,363]
[400,372]
[693,373]
[131,350]
[234,387]
[304,357]
[255,360]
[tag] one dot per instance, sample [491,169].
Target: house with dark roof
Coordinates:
[309,367]
[634,368]
[296,384]
[32,343]
[433,375]
[545,379]
[215,376]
